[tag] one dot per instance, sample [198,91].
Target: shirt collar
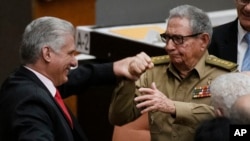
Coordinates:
[199,67]
[47,82]
[241,33]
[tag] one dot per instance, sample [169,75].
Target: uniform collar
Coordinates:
[199,67]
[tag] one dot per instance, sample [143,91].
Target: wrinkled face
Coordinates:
[189,52]
[62,61]
[243,10]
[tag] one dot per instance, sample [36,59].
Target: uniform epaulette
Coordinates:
[157,60]
[228,65]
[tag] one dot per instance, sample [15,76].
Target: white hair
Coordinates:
[225,89]
[240,112]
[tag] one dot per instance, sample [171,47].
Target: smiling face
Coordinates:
[186,55]
[243,11]
[61,62]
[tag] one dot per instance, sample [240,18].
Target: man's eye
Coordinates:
[177,37]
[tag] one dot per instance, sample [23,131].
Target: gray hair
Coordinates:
[199,20]
[226,88]
[240,111]
[44,31]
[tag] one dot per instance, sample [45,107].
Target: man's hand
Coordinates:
[133,67]
[154,100]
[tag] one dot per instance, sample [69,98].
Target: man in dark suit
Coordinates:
[29,109]
[224,41]
[228,40]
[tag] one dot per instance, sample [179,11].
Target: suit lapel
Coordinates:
[77,131]
[24,71]
[29,74]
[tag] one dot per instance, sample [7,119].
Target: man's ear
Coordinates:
[205,40]
[46,53]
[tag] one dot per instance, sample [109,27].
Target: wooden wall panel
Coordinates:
[78,12]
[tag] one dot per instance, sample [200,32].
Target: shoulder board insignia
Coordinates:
[160,59]
[228,65]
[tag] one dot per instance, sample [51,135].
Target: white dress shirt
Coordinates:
[242,46]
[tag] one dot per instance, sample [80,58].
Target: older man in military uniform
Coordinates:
[175,92]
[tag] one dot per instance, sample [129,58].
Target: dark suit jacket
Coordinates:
[28,111]
[224,41]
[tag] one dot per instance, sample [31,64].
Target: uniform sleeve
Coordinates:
[191,114]
[122,109]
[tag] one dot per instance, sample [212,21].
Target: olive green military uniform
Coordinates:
[191,97]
